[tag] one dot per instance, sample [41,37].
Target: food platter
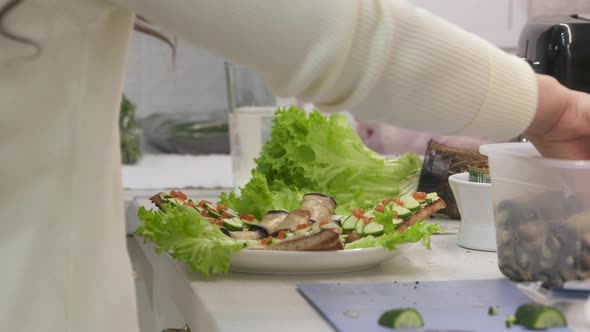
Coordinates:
[308,262]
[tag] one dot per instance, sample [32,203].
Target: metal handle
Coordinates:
[184,329]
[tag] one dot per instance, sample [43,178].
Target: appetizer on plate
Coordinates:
[182,224]
[315,187]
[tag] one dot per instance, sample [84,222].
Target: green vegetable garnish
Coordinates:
[510,321]
[539,317]
[419,232]
[401,318]
[257,198]
[189,237]
[318,153]
[492,311]
[352,314]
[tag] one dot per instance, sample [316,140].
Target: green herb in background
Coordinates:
[130,150]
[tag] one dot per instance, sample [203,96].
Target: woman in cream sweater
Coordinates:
[64,261]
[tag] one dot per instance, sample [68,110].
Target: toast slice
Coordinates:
[422,214]
[323,240]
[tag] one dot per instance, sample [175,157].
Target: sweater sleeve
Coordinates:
[384,60]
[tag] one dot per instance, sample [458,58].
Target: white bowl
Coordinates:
[474,201]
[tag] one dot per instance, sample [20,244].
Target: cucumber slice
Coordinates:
[208,206]
[231,213]
[401,211]
[252,243]
[249,223]
[349,224]
[359,226]
[539,317]
[214,214]
[431,197]
[373,228]
[330,225]
[401,318]
[304,231]
[509,321]
[410,202]
[233,224]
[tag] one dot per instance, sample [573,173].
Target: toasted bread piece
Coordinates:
[422,214]
[323,240]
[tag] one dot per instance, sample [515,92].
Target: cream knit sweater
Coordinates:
[62,245]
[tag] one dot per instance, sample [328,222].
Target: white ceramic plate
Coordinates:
[307,262]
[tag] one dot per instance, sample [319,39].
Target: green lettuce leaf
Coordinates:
[188,237]
[419,232]
[257,198]
[318,153]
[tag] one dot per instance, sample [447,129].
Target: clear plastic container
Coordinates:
[541,213]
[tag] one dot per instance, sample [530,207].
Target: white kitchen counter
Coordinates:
[252,302]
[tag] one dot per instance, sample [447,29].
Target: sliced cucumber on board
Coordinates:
[401,318]
[539,317]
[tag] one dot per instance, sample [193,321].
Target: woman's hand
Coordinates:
[561,126]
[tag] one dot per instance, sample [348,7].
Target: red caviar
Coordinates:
[217,223]
[367,220]
[379,208]
[358,213]
[247,217]
[302,226]
[178,195]
[266,241]
[419,195]
[397,201]
[203,202]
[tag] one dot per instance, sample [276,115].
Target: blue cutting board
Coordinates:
[444,305]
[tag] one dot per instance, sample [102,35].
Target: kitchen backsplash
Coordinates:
[551,7]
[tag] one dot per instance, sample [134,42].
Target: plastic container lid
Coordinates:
[528,151]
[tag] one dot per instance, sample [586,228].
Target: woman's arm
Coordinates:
[384,60]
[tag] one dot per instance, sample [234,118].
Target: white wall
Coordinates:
[552,7]
[194,81]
